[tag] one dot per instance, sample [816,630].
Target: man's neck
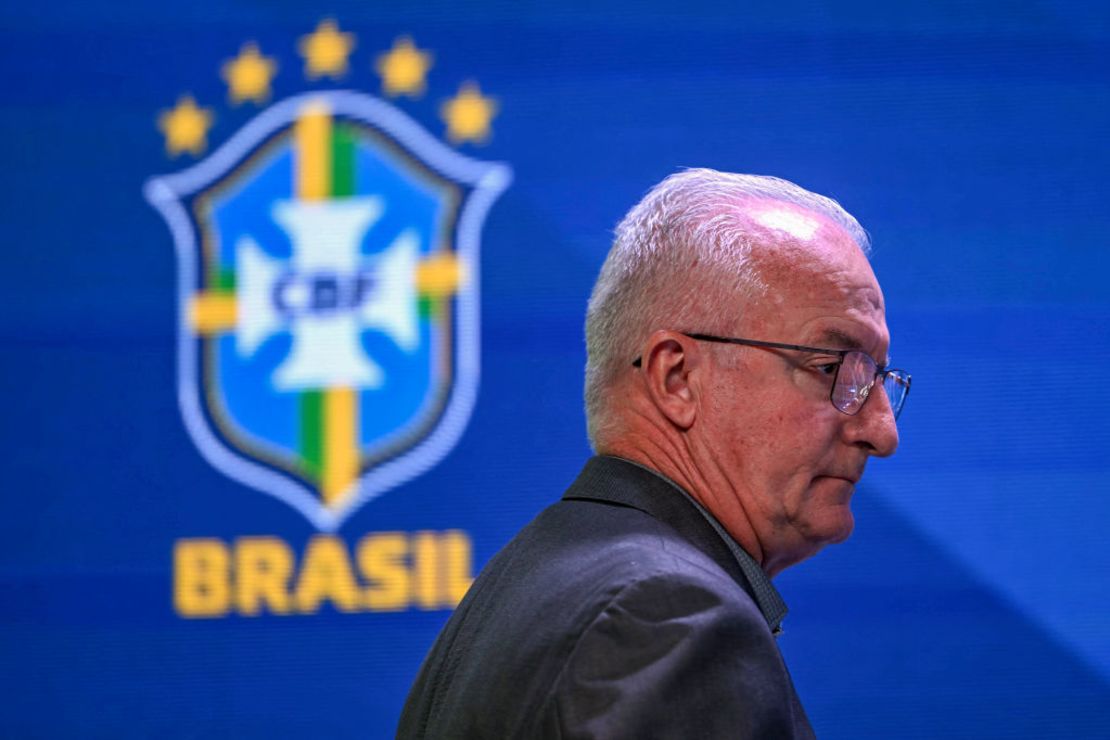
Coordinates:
[717,497]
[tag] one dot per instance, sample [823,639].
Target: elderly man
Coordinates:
[735,336]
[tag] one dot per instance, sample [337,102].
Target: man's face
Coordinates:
[790,461]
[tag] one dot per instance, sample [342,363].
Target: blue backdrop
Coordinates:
[970,139]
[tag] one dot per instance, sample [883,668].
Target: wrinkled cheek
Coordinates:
[793,500]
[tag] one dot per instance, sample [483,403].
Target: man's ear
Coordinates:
[668,364]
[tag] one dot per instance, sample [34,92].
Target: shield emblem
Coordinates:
[328,341]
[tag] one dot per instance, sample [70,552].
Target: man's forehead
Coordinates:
[823,294]
[831,278]
[810,267]
[840,334]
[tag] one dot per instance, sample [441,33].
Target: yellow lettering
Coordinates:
[457,567]
[326,574]
[265,575]
[263,566]
[200,578]
[425,570]
[381,559]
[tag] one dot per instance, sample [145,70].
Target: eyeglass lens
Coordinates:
[855,381]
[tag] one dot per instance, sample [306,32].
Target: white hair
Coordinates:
[676,253]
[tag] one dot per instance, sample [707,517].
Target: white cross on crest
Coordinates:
[327,294]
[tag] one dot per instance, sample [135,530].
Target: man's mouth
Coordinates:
[851,478]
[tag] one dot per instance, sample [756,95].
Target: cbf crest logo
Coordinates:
[328,264]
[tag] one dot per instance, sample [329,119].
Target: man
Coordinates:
[734,338]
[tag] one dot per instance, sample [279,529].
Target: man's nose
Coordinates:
[874,426]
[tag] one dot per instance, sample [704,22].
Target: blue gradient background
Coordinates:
[969,138]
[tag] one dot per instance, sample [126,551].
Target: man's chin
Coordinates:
[844,532]
[835,526]
[826,518]
[810,536]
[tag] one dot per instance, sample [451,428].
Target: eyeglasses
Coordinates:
[854,376]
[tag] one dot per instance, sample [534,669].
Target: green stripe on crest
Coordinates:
[342,162]
[311,433]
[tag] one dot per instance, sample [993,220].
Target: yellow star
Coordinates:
[403,68]
[468,114]
[248,75]
[185,127]
[325,51]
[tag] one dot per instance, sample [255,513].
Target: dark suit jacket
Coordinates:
[617,612]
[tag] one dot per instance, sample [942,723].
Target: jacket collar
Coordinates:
[619,481]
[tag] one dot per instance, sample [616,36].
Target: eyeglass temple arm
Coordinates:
[756,343]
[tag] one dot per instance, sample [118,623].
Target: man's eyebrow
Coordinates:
[839,339]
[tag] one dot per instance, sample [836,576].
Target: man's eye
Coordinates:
[827,368]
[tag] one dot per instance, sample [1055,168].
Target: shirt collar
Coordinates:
[767,597]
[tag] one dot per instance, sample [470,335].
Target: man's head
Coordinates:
[748,431]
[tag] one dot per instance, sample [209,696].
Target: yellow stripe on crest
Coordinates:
[212,313]
[312,136]
[340,437]
[312,139]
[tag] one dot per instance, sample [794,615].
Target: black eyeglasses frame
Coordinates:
[880,371]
